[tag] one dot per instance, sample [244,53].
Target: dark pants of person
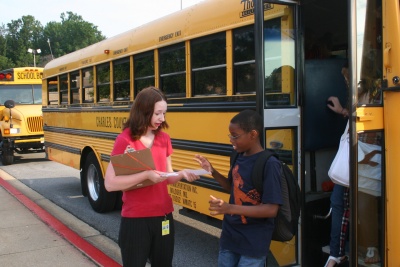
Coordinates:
[141,239]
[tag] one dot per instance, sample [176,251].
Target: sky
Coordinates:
[111,17]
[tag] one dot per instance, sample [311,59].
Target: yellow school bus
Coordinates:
[21,120]
[281,58]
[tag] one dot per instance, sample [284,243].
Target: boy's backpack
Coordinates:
[286,221]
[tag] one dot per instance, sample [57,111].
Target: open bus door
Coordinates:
[276,89]
[374,195]
[293,83]
[367,135]
[391,102]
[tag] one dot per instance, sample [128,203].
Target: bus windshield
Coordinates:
[21,94]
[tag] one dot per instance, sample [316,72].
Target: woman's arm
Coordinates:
[190,177]
[335,106]
[125,182]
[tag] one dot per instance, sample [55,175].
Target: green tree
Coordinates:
[22,34]
[69,35]
[3,40]
[54,40]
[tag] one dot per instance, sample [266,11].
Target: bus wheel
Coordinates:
[100,200]
[7,156]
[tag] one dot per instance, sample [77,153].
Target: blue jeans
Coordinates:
[337,205]
[227,258]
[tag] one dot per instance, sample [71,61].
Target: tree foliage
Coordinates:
[55,39]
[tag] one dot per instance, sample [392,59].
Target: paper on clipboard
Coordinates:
[134,162]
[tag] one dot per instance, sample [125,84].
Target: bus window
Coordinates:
[173,70]
[103,82]
[208,57]
[369,75]
[121,79]
[370,157]
[244,63]
[279,63]
[37,94]
[282,142]
[64,88]
[75,86]
[143,71]
[21,93]
[87,93]
[52,91]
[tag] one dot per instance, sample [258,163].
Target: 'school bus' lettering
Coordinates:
[217,58]
[29,75]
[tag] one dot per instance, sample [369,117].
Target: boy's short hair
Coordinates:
[249,120]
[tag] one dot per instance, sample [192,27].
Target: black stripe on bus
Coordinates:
[88,133]
[203,104]
[68,149]
[201,147]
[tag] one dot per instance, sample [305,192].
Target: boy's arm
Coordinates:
[206,165]
[222,180]
[218,206]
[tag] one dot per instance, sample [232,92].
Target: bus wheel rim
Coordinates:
[93,182]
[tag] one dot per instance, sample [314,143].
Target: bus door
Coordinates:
[368,136]
[391,103]
[275,35]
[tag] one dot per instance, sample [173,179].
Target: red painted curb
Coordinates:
[84,246]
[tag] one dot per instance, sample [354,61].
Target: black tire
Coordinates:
[99,198]
[7,156]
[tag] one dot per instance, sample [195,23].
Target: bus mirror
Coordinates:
[9,104]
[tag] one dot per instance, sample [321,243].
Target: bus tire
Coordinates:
[7,156]
[99,198]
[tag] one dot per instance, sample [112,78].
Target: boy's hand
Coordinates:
[204,163]
[217,206]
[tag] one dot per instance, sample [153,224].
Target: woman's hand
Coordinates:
[156,177]
[204,163]
[189,176]
[334,104]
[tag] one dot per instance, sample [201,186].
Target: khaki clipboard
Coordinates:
[134,162]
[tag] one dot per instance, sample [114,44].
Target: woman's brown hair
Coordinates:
[142,111]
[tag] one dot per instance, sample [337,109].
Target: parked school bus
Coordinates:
[21,120]
[216,58]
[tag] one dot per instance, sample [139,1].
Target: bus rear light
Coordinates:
[6,131]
